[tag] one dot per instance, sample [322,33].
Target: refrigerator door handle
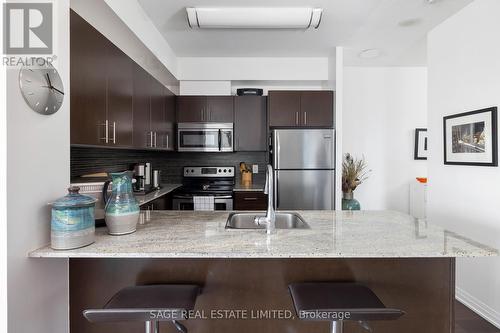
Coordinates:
[276,150]
[276,198]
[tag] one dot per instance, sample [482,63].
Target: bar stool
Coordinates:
[149,304]
[339,302]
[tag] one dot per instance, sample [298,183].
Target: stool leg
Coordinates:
[337,327]
[181,328]
[152,326]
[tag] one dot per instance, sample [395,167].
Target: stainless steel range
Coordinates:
[217,182]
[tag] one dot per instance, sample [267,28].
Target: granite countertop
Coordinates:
[362,234]
[254,187]
[165,189]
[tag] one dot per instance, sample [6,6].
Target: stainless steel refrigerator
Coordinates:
[304,168]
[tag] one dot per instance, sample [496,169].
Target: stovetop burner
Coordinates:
[206,181]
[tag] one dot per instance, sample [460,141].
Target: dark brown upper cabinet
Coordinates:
[170,120]
[153,123]
[101,95]
[215,109]
[284,108]
[191,109]
[114,101]
[220,109]
[88,83]
[119,97]
[250,123]
[300,108]
[316,108]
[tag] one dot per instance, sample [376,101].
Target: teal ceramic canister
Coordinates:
[122,209]
[72,222]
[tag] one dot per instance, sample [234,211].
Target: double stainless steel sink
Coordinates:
[283,221]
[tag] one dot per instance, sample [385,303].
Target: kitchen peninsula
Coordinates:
[408,263]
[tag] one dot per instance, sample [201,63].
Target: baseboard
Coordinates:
[489,314]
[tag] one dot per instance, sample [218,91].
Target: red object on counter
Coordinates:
[422,180]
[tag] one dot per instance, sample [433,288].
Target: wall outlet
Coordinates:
[255,168]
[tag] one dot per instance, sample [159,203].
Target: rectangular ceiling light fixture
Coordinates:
[252,18]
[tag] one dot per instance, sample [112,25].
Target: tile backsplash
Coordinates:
[85,160]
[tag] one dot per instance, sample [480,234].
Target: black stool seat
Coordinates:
[332,301]
[147,303]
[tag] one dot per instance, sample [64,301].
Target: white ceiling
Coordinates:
[354,24]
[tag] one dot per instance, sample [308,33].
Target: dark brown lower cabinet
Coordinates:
[250,200]
[423,287]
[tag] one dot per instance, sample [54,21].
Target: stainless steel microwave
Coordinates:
[205,137]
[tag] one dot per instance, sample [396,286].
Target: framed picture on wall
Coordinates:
[471,138]
[420,144]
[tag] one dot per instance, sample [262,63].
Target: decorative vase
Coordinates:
[349,203]
[122,209]
[72,223]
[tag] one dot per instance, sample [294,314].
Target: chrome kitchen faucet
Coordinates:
[270,219]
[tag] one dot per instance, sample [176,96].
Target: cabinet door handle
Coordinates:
[151,139]
[106,131]
[155,138]
[167,139]
[114,132]
[297,118]
[305,117]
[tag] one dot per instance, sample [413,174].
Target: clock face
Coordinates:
[42,88]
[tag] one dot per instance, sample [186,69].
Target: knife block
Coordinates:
[246,178]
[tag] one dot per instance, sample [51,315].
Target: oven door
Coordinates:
[220,203]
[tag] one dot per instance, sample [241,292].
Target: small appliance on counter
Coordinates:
[94,189]
[143,178]
[156,179]
[72,222]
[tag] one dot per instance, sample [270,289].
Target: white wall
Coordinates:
[221,88]
[3,195]
[464,75]
[382,107]
[116,23]
[244,68]
[336,81]
[38,172]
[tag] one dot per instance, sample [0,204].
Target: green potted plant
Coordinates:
[354,173]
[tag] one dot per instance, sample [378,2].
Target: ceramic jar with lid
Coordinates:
[73,222]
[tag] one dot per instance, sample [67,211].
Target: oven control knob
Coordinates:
[220,170]
[192,170]
[225,170]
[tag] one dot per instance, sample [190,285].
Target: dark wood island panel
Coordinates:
[424,288]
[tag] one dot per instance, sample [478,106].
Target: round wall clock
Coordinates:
[42,88]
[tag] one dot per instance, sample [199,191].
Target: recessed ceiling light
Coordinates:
[409,22]
[369,54]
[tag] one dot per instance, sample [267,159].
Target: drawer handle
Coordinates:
[250,199]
